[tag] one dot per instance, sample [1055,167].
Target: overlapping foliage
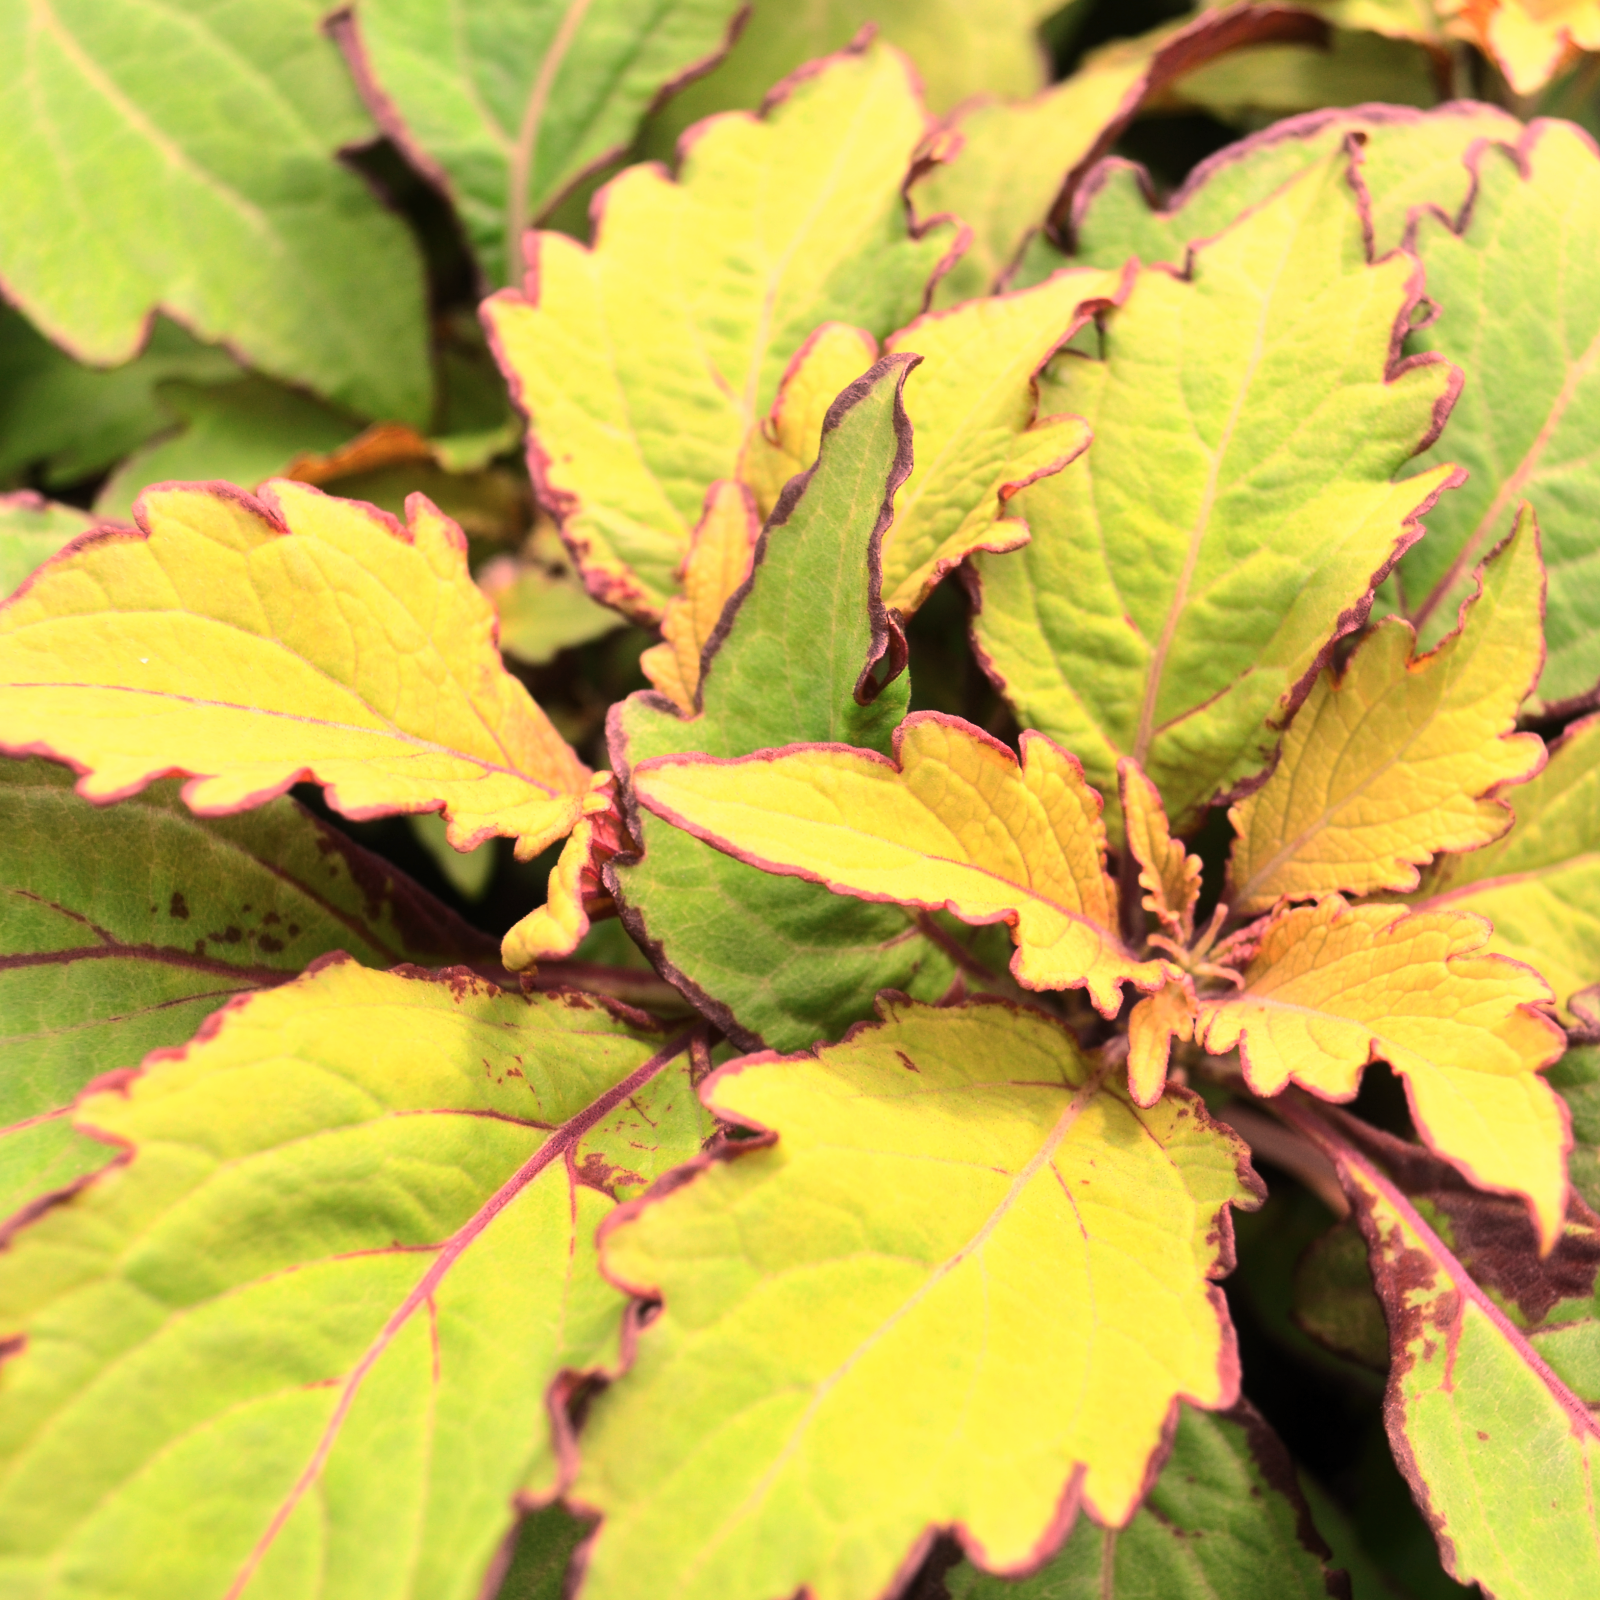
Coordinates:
[1120,712]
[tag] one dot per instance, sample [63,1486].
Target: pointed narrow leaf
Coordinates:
[1411,158]
[309,1322]
[183,158]
[923,1301]
[1499,1453]
[1184,584]
[1332,986]
[772,959]
[1225,1518]
[32,529]
[721,550]
[644,362]
[1540,884]
[1401,756]
[121,928]
[1528,419]
[954,821]
[1019,163]
[1166,869]
[255,643]
[504,105]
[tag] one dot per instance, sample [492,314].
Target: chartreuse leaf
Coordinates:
[773,959]
[253,643]
[1530,412]
[1540,884]
[1182,588]
[924,1300]
[182,157]
[1331,986]
[974,410]
[540,601]
[953,821]
[1169,875]
[307,1329]
[32,529]
[1225,1518]
[1389,761]
[1529,42]
[721,551]
[1017,161]
[122,927]
[1498,1452]
[644,362]
[1410,158]
[505,105]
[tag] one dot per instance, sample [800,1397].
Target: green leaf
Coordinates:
[1526,425]
[1225,1518]
[243,432]
[182,158]
[644,362]
[775,959]
[122,927]
[1333,1298]
[541,602]
[32,529]
[1020,162]
[959,48]
[1411,158]
[1186,581]
[922,1299]
[307,1327]
[68,421]
[1540,884]
[1576,1078]
[506,105]
[1498,1451]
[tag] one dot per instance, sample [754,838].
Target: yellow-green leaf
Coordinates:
[1153,1024]
[542,605]
[32,529]
[1540,884]
[1333,986]
[960,1284]
[1186,579]
[1401,756]
[954,822]
[1019,162]
[254,643]
[721,552]
[644,362]
[1166,869]
[309,1323]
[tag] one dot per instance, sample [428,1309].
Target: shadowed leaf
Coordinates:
[122,927]
[181,157]
[32,529]
[914,1305]
[309,1322]
[505,105]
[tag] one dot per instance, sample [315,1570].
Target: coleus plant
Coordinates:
[872,1243]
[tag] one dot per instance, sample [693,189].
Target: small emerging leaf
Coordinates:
[953,821]
[1528,40]
[314,1314]
[1169,874]
[1332,986]
[721,552]
[925,1299]
[255,643]
[644,362]
[1401,756]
